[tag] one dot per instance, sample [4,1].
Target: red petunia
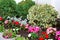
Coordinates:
[1,18]
[41,38]
[43,32]
[46,36]
[16,23]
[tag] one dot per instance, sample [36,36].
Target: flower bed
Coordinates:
[39,25]
[25,30]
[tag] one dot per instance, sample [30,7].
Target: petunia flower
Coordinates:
[13,29]
[50,30]
[6,36]
[33,29]
[21,25]
[41,38]
[46,36]
[1,18]
[29,35]
[10,34]
[58,38]
[36,29]
[6,21]
[57,34]
[16,23]
[43,32]
[26,26]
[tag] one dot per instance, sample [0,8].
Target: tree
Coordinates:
[24,7]
[8,8]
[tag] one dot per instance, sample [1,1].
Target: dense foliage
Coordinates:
[1,28]
[42,15]
[24,6]
[8,8]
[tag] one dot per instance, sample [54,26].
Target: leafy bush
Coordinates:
[21,38]
[8,8]
[42,15]
[24,6]
[1,28]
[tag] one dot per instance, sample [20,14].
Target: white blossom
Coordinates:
[29,35]
[14,29]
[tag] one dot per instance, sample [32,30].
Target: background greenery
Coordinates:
[10,8]
[24,7]
[7,8]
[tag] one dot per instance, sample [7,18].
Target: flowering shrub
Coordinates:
[42,15]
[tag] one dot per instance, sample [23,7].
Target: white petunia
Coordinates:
[13,29]
[29,35]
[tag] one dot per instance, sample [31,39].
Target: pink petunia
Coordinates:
[6,36]
[30,29]
[57,33]
[6,21]
[50,30]
[21,25]
[36,29]
[26,26]
[58,38]
[33,29]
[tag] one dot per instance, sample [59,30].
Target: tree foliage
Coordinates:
[24,7]
[8,8]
